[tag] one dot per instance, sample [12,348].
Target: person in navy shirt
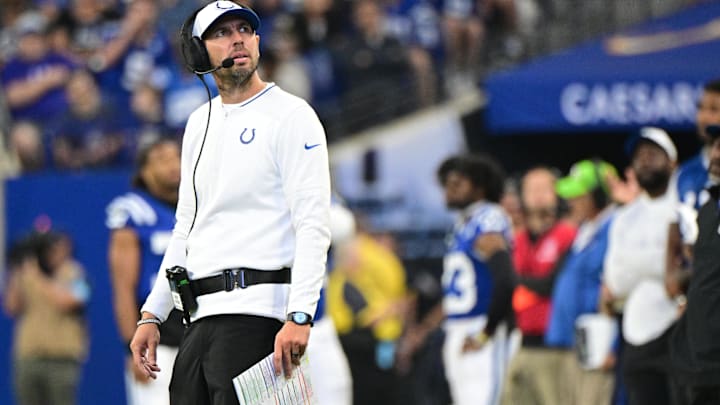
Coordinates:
[137,54]
[34,80]
[89,135]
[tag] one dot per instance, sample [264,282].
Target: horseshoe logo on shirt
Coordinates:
[242,136]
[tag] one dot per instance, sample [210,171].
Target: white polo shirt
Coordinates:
[263,198]
[635,266]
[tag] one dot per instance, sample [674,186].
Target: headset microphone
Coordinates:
[226,63]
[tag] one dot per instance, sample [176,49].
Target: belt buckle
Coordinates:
[236,279]
[242,283]
[229,279]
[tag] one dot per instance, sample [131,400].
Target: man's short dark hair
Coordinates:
[482,170]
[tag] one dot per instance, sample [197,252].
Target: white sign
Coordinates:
[623,103]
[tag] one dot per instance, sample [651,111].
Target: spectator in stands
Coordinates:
[46,293]
[49,8]
[694,344]
[464,34]
[502,43]
[9,13]
[366,300]
[137,54]
[577,286]
[147,122]
[634,271]
[26,146]
[318,24]
[318,27]
[34,79]
[60,40]
[539,250]
[88,136]
[416,24]
[692,180]
[283,65]
[374,70]
[90,24]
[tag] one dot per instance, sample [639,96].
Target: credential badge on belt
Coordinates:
[183,298]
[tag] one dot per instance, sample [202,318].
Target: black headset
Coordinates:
[197,60]
[193,49]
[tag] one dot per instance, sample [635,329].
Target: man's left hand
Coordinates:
[290,344]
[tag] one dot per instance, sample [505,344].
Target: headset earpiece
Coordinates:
[193,49]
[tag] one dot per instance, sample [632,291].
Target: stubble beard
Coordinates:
[237,77]
[242,76]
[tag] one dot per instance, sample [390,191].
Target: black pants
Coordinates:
[371,384]
[216,349]
[646,372]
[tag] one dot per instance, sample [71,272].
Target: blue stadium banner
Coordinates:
[648,75]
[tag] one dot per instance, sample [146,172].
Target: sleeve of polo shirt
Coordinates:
[159,302]
[302,159]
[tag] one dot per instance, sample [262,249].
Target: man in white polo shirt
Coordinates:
[635,269]
[253,210]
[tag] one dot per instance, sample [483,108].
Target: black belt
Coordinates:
[242,277]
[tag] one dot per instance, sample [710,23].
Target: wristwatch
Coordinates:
[300,318]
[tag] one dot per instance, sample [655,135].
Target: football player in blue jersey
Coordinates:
[140,224]
[478,280]
[692,179]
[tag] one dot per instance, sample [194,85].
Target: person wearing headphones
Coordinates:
[577,287]
[694,343]
[247,255]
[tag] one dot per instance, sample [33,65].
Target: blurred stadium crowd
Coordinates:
[84,82]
